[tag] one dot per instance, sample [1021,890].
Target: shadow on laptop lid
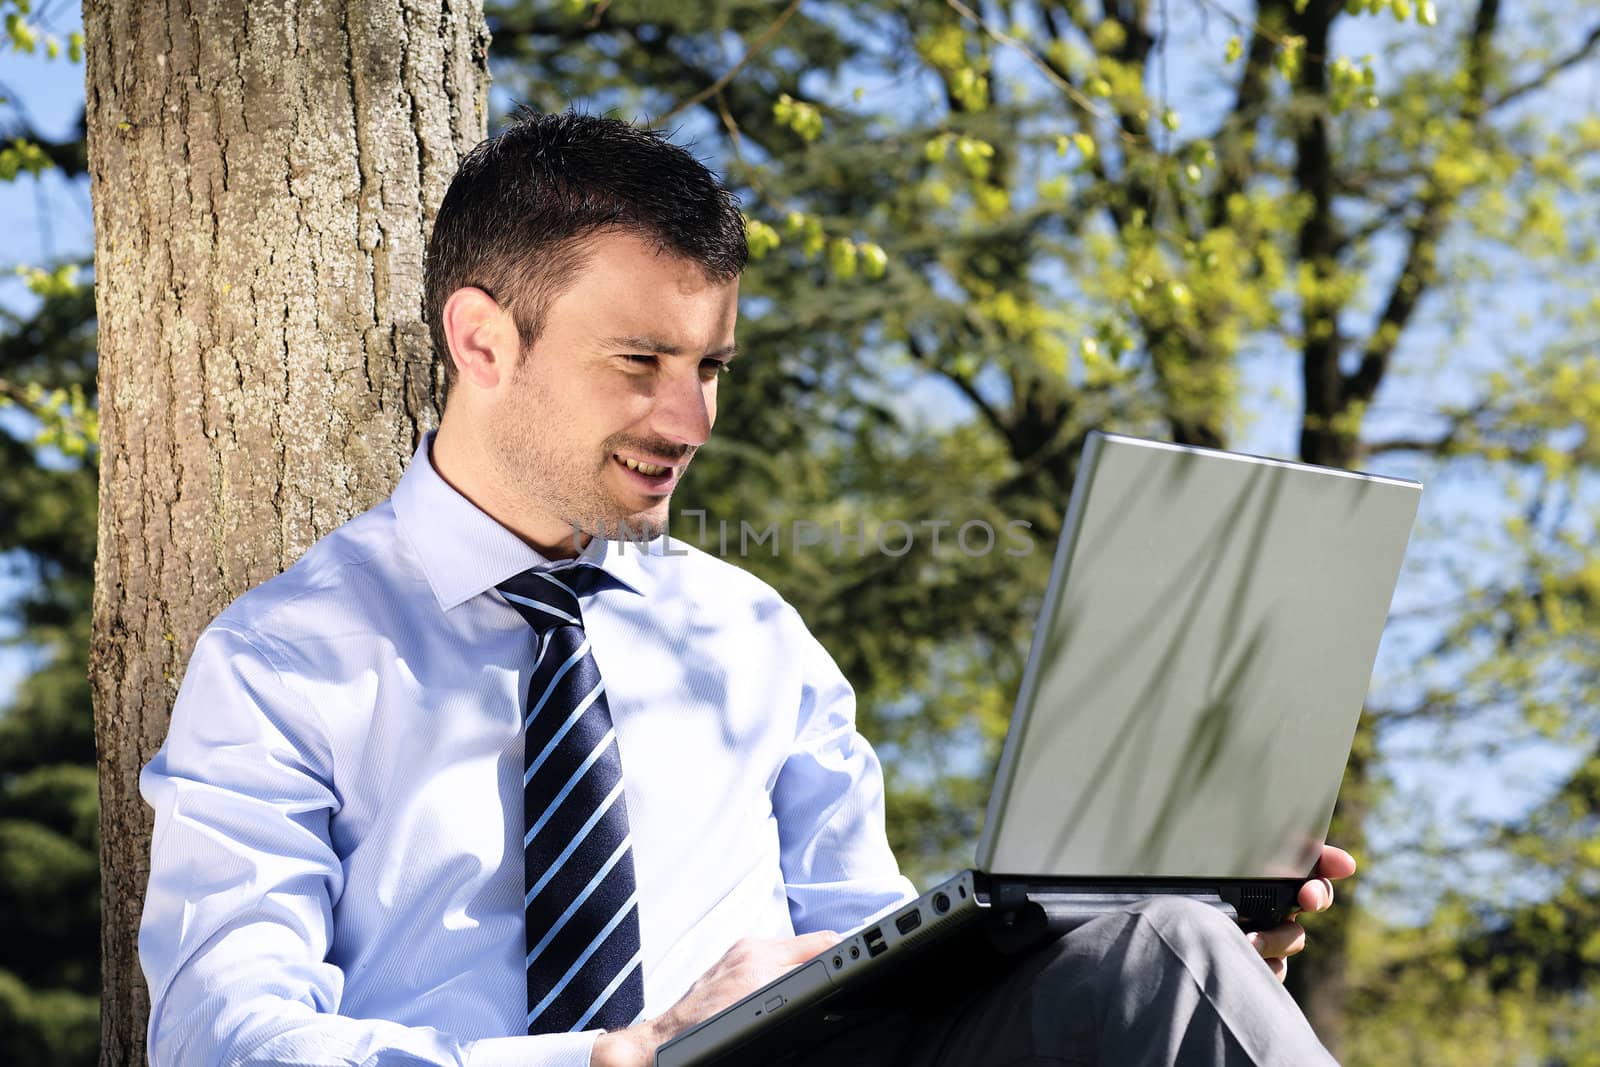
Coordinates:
[1199,666]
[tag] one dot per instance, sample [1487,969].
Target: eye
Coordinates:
[640,361]
[710,368]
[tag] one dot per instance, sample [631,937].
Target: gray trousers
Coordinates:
[1169,981]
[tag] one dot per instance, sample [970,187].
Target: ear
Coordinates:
[482,337]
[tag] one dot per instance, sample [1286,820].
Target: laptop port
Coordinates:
[838,961]
[909,921]
[855,952]
[874,940]
[941,903]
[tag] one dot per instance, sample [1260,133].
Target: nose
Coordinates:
[685,408]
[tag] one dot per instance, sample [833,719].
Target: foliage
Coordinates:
[49,837]
[49,844]
[24,35]
[1435,1001]
[1119,214]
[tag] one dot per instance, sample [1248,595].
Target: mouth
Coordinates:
[656,479]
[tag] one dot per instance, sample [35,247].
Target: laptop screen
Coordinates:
[1198,667]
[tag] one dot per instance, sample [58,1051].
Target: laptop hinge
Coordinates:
[1009,896]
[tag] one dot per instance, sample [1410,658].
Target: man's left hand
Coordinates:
[1281,942]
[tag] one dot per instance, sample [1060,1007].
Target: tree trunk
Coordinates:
[263,178]
[1320,979]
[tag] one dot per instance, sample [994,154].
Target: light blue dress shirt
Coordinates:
[336,871]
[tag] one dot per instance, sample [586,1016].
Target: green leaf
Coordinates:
[874,260]
[1109,36]
[974,155]
[760,237]
[803,118]
[57,284]
[21,34]
[20,156]
[842,258]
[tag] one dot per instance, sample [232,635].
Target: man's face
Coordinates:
[604,412]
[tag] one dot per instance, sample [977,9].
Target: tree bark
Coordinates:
[263,178]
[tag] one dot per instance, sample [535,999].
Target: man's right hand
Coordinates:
[743,969]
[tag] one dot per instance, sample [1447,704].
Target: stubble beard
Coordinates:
[546,478]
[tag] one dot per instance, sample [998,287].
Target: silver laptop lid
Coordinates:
[1200,662]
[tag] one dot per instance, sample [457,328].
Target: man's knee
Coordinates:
[1147,935]
[1170,911]
[1189,927]
[1143,985]
[1126,972]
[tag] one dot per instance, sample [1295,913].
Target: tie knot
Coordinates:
[549,598]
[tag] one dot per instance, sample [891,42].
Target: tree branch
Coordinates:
[1053,75]
[1417,273]
[1360,180]
[70,156]
[1571,59]
[1236,156]
[1389,215]
[921,354]
[717,86]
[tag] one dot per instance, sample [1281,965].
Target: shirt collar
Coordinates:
[464,552]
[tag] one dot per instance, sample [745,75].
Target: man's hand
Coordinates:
[743,969]
[1281,942]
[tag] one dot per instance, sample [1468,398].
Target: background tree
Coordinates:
[263,182]
[49,966]
[1122,214]
[49,874]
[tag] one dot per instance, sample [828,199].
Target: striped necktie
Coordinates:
[581,909]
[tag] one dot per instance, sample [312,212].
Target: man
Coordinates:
[471,784]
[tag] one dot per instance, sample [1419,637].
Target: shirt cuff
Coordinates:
[544,1050]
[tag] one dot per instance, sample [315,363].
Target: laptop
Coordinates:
[1191,694]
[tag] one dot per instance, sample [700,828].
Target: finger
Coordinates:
[1316,895]
[1335,863]
[1286,940]
[802,948]
[1279,967]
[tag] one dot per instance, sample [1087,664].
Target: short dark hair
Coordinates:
[523,202]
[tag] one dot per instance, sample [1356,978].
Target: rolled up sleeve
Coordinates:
[829,802]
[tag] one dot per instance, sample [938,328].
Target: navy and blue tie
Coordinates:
[581,910]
